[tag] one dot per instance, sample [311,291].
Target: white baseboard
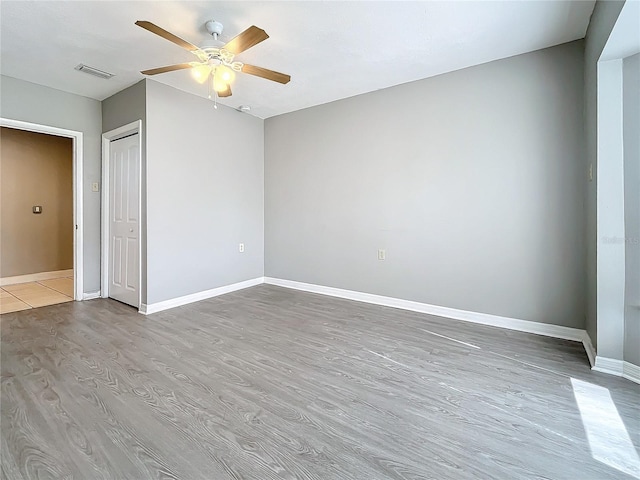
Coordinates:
[196,297]
[588,347]
[546,329]
[598,363]
[35,277]
[631,372]
[91,295]
[608,365]
[619,368]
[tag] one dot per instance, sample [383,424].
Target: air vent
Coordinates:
[94,71]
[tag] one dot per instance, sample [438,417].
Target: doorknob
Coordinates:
[131,229]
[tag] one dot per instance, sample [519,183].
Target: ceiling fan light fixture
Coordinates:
[216,66]
[224,75]
[220,87]
[200,73]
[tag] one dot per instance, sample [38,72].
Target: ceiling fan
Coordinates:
[216,65]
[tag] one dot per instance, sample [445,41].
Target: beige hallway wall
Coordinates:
[35,169]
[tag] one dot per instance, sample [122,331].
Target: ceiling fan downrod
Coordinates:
[214,28]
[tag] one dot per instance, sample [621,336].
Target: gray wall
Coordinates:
[631,115]
[602,21]
[472,181]
[205,194]
[126,106]
[20,100]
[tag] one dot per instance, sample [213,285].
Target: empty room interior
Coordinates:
[320,240]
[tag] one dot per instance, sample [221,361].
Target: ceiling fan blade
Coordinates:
[166,35]
[266,73]
[168,68]
[247,39]
[225,93]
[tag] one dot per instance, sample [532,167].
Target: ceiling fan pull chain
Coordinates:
[213,87]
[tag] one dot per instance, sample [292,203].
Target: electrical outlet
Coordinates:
[241,247]
[382,254]
[95,187]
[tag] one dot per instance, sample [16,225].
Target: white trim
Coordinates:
[35,277]
[196,297]
[107,137]
[608,365]
[78,182]
[546,329]
[631,372]
[619,368]
[588,347]
[91,295]
[599,364]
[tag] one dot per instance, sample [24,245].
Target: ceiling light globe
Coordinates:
[224,75]
[200,73]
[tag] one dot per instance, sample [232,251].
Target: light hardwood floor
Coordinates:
[270,383]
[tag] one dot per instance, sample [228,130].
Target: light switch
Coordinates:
[95,187]
[37,209]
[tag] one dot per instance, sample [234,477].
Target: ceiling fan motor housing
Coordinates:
[214,28]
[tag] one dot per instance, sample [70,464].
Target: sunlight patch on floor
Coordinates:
[608,438]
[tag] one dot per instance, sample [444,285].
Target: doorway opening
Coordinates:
[40,219]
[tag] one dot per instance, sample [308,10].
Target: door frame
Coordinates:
[78,181]
[107,138]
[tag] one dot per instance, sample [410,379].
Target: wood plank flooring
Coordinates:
[269,383]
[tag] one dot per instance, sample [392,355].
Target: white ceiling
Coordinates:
[624,39]
[331,49]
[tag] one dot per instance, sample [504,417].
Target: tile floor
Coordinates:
[23,296]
